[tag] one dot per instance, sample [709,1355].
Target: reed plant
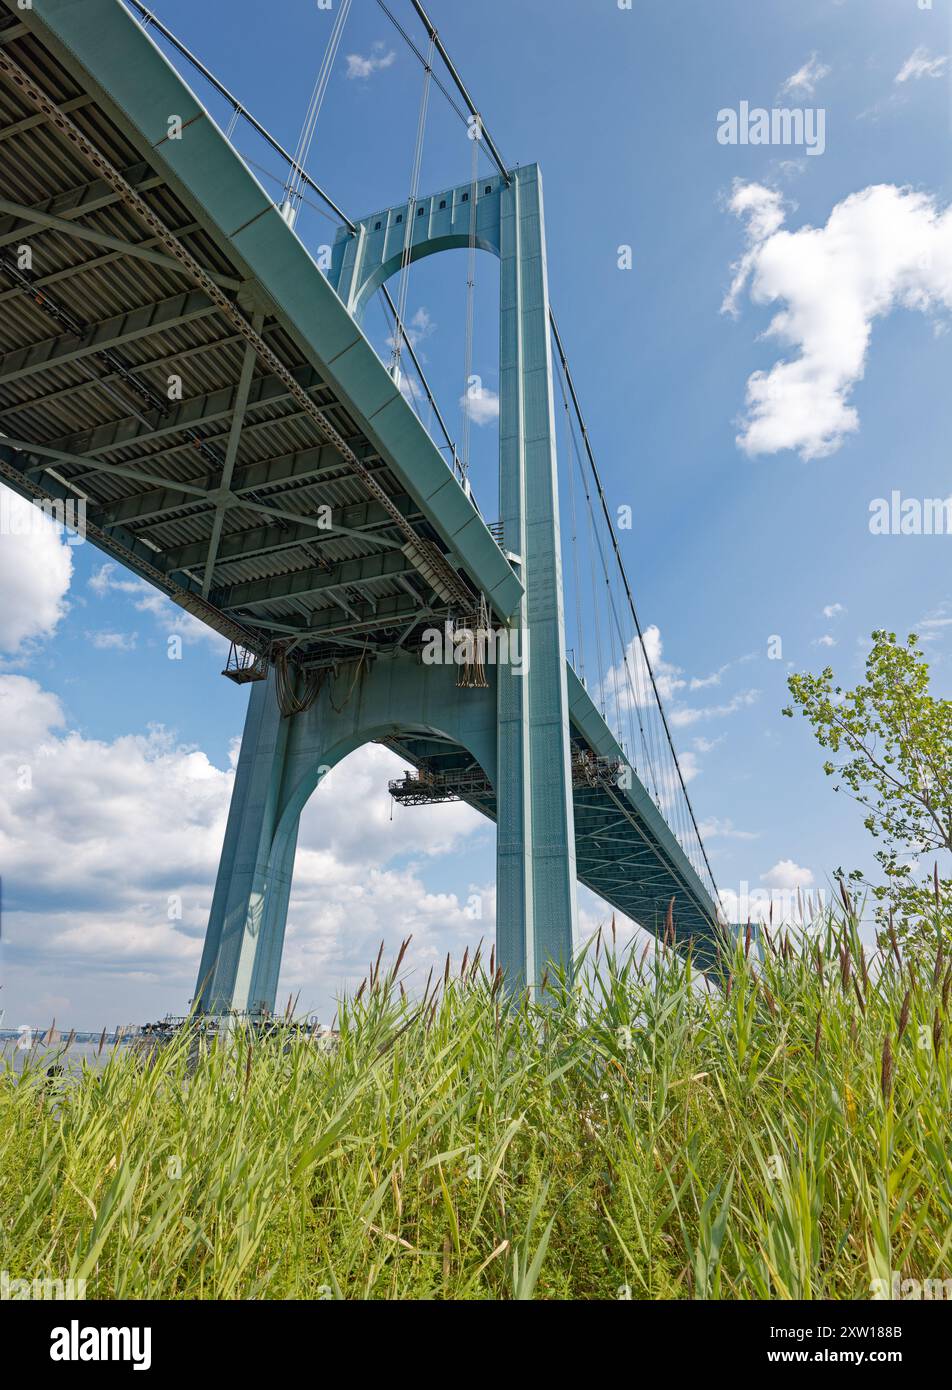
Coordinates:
[777,1129]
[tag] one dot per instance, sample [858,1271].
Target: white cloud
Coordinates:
[420,327]
[377,60]
[716,829]
[707,745]
[882,248]
[175,621]
[780,900]
[932,626]
[825,641]
[690,767]
[113,641]
[786,875]
[921,63]
[834,610]
[100,834]
[481,405]
[687,715]
[705,682]
[628,684]
[804,80]
[36,566]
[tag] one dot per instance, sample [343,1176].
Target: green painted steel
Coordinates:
[140,89]
[535,857]
[522,728]
[282,762]
[528,759]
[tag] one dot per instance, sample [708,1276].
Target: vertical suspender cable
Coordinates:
[470,309]
[400,333]
[292,189]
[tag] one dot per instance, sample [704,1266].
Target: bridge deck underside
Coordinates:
[123,384]
[619,856]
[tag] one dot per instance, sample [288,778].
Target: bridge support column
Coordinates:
[536,908]
[245,936]
[282,762]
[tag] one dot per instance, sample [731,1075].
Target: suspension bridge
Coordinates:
[301,493]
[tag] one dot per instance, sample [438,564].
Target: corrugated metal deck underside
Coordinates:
[97,322]
[618,856]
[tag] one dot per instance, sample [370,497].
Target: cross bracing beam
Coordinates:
[206,409]
[75,202]
[61,396]
[40,118]
[133,553]
[304,468]
[303,584]
[82,268]
[13,31]
[267,540]
[143,322]
[318,523]
[123,470]
[44,221]
[231,452]
[391,612]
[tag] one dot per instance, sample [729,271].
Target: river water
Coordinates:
[70,1058]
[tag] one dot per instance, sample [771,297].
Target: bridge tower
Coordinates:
[517,728]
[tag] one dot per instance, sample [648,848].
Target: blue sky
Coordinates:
[749,522]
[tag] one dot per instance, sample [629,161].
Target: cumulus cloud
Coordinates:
[36,565]
[804,81]
[174,621]
[109,851]
[480,404]
[833,610]
[783,898]
[921,63]
[882,248]
[686,715]
[785,874]
[379,58]
[627,687]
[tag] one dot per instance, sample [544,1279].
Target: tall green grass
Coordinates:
[784,1134]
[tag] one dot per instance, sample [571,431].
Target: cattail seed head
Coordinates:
[904,1015]
[893,941]
[844,968]
[886,1073]
[939,964]
[859,995]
